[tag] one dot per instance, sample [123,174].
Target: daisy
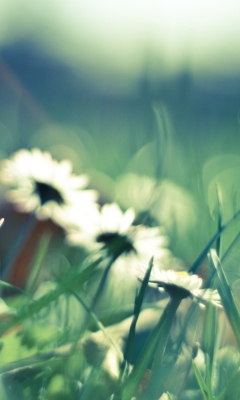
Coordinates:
[180,284]
[112,229]
[44,186]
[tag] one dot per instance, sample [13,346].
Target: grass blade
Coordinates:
[233,381]
[201,382]
[219,209]
[137,309]
[226,295]
[73,279]
[165,321]
[209,343]
[196,264]
[38,261]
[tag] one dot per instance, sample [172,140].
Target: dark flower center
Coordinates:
[47,193]
[116,243]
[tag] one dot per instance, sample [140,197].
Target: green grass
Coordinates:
[77,329]
[49,351]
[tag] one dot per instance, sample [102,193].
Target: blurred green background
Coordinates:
[131,86]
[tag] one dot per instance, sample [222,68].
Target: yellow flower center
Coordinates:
[182,273]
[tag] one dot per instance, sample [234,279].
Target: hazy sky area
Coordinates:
[115,42]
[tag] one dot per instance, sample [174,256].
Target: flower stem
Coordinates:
[102,283]
[157,340]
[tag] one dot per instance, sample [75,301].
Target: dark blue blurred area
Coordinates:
[37,89]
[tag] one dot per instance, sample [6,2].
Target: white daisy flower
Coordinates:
[180,284]
[44,186]
[114,230]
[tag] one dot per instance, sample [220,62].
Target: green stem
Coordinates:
[137,308]
[72,280]
[161,331]
[102,283]
[99,324]
[194,267]
[38,261]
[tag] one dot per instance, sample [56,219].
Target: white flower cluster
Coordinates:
[48,188]
[41,185]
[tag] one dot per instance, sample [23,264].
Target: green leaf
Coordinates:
[70,281]
[200,380]
[38,261]
[233,381]
[161,330]
[226,295]
[196,264]
[137,309]
[209,343]
[219,209]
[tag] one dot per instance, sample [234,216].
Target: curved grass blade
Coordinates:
[226,295]
[38,261]
[196,264]
[99,324]
[200,381]
[137,309]
[219,209]
[161,330]
[233,381]
[209,343]
[72,279]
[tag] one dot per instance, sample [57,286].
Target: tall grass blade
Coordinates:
[209,343]
[226,295]
[37,264]
[73,279]
[230,247]
[219,220]
[164,324]
[99,324]
[196,264]
[200,381]
[137,309]
[163,144]
[233,381]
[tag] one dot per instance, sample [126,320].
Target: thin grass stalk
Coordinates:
[209,281]
[229,249]
[196,264]
[137,308]
[201,383]
[99,324]
[234,380]
[219,209]
[164,324]
[226,296]
[38,261]
[26,311]
[102,282]
[162,142]
[39,359]
[209,343]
